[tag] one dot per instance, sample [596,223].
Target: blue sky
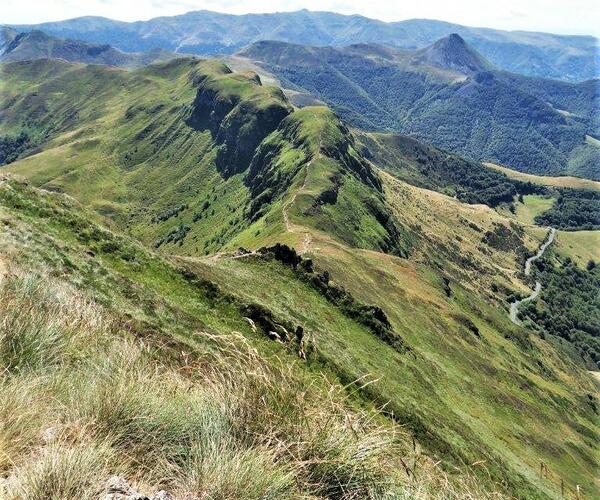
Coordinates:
[566,16]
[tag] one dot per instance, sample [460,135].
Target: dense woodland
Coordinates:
[425,166]
[570,305]
[12,147]
[574,209]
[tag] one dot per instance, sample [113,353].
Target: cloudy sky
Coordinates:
[556,16]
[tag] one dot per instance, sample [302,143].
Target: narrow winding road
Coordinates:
[514,307]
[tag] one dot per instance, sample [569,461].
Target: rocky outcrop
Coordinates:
[118,488]
[370,316]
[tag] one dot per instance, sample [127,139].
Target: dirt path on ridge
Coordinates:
[290,227]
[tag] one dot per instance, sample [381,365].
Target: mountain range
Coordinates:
[15,46]
[448,95]
[572,58]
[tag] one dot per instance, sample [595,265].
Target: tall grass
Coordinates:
[42,325]
[81,400]
[62,470]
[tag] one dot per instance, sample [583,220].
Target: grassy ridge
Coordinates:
[408,291]
[149,152]
[136,158]
[561,181]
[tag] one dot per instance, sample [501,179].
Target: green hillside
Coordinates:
[117,361]
[451,97]
[402,292]
[142,162]
[563,202]
[425,166]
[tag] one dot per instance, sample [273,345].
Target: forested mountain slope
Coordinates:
[448,95]
[15,46]
[571,58]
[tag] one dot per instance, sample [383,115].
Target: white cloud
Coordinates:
[569,17]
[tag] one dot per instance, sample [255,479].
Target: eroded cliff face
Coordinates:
[239,112]
[315,152]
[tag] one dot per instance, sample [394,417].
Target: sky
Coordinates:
[564,16]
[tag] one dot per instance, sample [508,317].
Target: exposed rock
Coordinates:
[283,253]
[446,286]
[118,488]
[299,334]
[117,484]
[237,123]
[274,336]
[264,320]
[252,324]
[282,332]
[242,251]
[49,434]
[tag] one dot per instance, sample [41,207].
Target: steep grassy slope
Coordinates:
[431,389]
[117,361]
[406,291]
[135,149]
[465,351]
[571,58]
[448,95]
[32,45]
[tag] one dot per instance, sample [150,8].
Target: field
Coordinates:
[532,206]
[559,181]
[582,246]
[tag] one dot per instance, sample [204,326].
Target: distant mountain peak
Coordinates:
[452,52]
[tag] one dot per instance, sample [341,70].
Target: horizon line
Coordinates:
[295,12]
